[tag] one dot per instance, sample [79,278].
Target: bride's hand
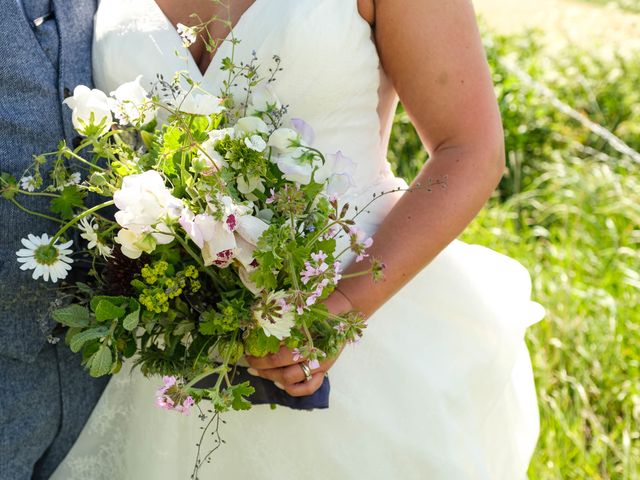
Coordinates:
[287,373]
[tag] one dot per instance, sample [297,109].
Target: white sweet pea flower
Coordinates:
[337,171]
[198,102]
[250,228]
[144,202]
[250,125]
[131,104]
[91,112]
[248,185]
[208,158]
[221,134]
[262,100]
[256,143]
[304,129]
[296,170]
[284,141]
[245,278]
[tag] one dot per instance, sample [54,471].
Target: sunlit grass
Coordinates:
[569,210]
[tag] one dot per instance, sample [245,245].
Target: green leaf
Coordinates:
[258,344]
[105,310]
[131,321]
[116,300]
[69,198]
[78,340]
[239,392]
[72,316]
[101,362]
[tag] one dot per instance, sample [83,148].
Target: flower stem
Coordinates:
[31,212]
[86,213]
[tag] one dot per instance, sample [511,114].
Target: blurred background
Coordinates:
[567,76]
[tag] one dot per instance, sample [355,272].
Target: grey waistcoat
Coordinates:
[39,66]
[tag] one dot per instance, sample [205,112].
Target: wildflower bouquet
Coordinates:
[206,229]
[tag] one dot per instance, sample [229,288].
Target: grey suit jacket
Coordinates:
[38,68]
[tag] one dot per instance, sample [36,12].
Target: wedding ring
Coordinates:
[306,370]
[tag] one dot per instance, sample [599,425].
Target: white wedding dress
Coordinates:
[441,386]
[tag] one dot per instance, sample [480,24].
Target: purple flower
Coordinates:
[359,243]
[296,355]
[186,404]
[341,327]
[314,364]
[272,198]
[304,130]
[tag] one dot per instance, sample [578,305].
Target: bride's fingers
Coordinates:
[284,375]
[282,358]
[305,388]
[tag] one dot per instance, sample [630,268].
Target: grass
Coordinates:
[569,210]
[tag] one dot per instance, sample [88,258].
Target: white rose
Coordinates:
[131,104]
[284,140]
[250,125]
[91,112]
[198,103]
[145,201]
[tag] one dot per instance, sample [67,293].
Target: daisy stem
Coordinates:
[31,212]
[71,223]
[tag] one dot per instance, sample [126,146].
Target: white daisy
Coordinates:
[28,183]
[46,260]
[89,231]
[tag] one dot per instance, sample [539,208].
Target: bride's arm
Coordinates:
[432,52]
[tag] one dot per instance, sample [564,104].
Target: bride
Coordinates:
[441,386]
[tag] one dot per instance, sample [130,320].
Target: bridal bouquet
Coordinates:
[202,228]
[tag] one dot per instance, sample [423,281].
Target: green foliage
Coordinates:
[70,198]
[258,344]
[569,210]
[72,316]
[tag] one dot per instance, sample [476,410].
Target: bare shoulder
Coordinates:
[367,10]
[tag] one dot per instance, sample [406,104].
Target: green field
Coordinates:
[569,210]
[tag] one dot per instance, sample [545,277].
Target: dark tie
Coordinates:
[42,20]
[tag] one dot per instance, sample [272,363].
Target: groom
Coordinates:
[45,395]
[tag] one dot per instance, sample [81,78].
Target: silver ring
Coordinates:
[307,371]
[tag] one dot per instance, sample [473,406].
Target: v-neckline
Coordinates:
[227,38]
